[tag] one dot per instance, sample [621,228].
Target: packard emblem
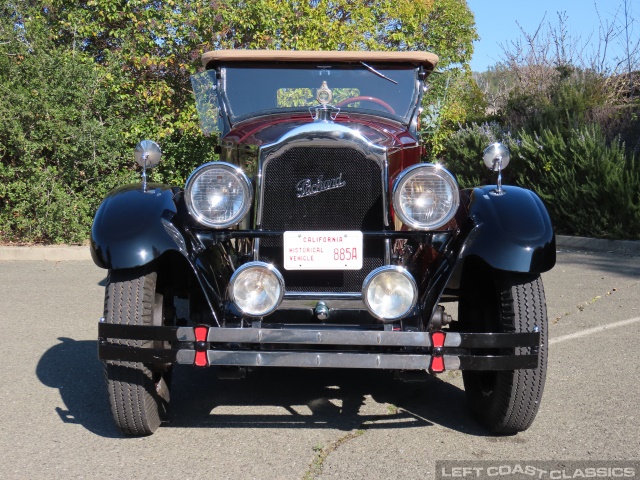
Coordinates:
[306,188]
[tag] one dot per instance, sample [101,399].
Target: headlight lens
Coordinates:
[389,293]
[425,196]
[218,194]
[256,288]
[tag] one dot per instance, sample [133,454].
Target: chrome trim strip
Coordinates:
[419,91]
[333,300]
[319,337]
[223,101]
[332,303]
[187,357]
[186,334]
[320,360]
[452,339]
[451,362]
[323,296]
[387,251]
[256,249]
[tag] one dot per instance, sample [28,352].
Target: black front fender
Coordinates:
[132,227]
[510,231]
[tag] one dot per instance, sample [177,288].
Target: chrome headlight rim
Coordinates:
[244,182]
[440,172]
[390,268]
[256,265]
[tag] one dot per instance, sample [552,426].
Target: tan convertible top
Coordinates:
[429,60]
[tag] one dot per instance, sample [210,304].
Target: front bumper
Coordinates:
[321,348]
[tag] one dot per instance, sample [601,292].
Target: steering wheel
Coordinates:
[382,103]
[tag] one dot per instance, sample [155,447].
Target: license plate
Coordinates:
[320,250]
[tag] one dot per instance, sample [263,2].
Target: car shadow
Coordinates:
[315,398]
[73,368]
[266,398]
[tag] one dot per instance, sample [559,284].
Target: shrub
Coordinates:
[61,146]
[67,133]
[591,187]
[463,153]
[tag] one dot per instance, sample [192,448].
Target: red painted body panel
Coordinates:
[263,130]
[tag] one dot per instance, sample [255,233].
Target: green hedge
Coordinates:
[591,187]
[61,146]
[66,140]
[68,127]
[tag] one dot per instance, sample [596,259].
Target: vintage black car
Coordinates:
[320,240]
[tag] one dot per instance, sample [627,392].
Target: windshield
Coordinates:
[251,90]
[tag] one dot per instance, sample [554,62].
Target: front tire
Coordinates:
[506,402]
[138,394]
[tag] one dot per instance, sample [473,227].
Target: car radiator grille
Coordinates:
[355,206]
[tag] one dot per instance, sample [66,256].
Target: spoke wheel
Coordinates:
[138,393]
[506,402]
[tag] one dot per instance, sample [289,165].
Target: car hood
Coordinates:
[265,130]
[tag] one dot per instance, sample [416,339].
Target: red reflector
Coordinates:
[437,362]
[437,339]
[201,333]
[201,346]
[201,359]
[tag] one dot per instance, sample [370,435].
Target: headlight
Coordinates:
[256,288]
[218,194]
[425,196]
[389,293]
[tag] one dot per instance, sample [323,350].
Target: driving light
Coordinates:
[389,293]
[218,194]
[256,288]
[425,196]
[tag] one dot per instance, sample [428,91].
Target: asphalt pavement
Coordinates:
[303,424]
[58,253]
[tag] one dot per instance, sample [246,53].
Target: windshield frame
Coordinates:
[407,117]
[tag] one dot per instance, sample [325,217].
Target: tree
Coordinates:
[570,118]
[111,72]
[61,134]
[444,27]
[160,43]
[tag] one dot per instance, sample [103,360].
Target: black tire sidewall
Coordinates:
[506,401]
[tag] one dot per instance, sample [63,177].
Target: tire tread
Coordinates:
[512,403]
[135,397]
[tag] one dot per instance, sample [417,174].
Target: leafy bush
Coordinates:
[463,153]
[453,98]
[83,82]
[570,99]
[67,133]
[591,187]
[65,143]
[61,145]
